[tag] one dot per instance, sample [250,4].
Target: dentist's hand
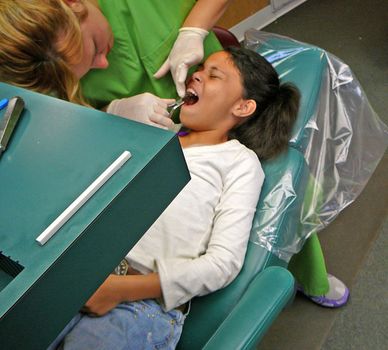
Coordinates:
[145,108]
[186,52]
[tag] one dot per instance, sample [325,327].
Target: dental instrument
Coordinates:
[10,120]
[190,99]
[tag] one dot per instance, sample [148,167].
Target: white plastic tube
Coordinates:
[83,198]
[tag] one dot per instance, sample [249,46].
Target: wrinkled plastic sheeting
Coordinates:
[342,142]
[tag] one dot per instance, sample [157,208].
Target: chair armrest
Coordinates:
[266,296]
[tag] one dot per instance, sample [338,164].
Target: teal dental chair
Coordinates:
[238,316]
[294,202]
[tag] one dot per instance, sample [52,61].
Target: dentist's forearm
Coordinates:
[206,13]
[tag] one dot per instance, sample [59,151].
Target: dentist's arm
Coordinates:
[188,47]
[206,13]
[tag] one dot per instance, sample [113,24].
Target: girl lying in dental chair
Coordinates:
[240,114]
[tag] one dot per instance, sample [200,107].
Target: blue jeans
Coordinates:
[135,325]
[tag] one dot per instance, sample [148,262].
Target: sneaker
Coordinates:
[337,295]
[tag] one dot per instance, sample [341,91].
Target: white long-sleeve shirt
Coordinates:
[198,244]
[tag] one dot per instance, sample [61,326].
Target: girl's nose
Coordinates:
[197,76]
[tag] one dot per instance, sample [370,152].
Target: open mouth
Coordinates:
[191,97]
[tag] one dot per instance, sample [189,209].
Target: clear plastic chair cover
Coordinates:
[342,140]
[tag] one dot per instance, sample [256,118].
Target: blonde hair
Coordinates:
[39,40]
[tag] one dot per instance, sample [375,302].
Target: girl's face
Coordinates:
[217,83]
[97,40]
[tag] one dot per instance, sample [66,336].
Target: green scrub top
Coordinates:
[144,32]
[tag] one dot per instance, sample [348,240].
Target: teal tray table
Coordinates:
[56,151]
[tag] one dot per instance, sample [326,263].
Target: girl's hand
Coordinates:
[117,289]
[106,297]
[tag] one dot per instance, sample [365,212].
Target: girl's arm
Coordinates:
[117,289]
[183,278]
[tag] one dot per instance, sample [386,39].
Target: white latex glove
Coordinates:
[186,52]
[145,108]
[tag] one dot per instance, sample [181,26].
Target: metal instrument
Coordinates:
[9,121]
[174,106]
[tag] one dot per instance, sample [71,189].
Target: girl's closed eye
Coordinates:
[215,73]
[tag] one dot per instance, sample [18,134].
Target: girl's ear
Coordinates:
[244,108]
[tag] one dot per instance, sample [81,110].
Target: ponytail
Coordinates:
[268,130]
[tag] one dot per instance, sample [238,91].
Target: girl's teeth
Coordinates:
[190,98]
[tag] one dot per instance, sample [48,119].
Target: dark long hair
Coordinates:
[268,130]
